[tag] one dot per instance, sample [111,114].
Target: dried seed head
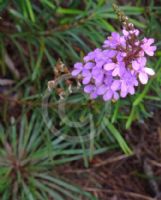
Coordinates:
[51,85]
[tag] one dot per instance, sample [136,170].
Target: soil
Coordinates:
[115,176]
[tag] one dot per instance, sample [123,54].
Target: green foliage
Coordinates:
[27,161]
[33,35]
[40,33]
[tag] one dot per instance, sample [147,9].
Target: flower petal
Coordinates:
[89,88]
[149,71]
[116,71]
[86,73]
[109,66]
[150,41]
[115,85]
[86,80]
[123,87]
[93,95]
[131,90]
[101,89]
[108,95]
[135,65]
[78,65]
[116,96]
[123,93]
[143,77]
[89,65]
[125,32]
[75,72]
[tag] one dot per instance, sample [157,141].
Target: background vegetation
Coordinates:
[33,36]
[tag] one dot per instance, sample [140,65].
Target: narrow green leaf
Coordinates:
[125,148]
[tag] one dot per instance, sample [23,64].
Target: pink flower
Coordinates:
[142,71]
[110,66]
[77,69]
[146,46]
[129,33]
[114,40]
[116,69]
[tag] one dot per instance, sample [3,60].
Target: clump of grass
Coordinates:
[27,164]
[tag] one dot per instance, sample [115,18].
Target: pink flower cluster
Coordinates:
[114,70]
